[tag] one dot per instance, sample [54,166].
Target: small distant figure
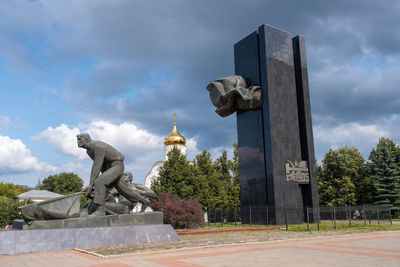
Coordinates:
[356,214]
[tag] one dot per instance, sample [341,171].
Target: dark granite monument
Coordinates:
[276,149]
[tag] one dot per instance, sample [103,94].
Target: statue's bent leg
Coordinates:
[104,180]
[129,194]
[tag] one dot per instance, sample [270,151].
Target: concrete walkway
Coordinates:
[371,249]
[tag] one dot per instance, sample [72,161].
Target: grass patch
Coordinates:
[356,226]
[341,226]
[219,225]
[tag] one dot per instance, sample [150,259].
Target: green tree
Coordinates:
[176,176]
[64,183]
[342,179]
[8,210]
[319,171]
[212,189]
[213,184]
[385,171]
[235,192]
[365,188]
[223,168]
[228,172]
[11,190]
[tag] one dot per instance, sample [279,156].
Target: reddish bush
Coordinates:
[180,213]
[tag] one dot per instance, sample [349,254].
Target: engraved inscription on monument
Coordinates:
[297,172]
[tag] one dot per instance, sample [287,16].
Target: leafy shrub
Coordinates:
[11,190]
[64,183]
[84,200]
[8,210]
[180,213]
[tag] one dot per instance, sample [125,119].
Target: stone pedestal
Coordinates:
[84,232]
[97,221]
[30,241]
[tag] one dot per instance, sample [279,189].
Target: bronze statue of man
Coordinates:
[110,162]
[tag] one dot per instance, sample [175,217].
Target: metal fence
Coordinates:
[335,216]
[365,214]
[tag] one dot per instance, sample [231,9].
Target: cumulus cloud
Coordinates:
[73,166]
[63,139]
[126,136]
[131,69]
[336,36]
[354,92]
[216,152]
[362,136]
[191,148]
[350,133]
[4,120]
[140,147]
[16,157]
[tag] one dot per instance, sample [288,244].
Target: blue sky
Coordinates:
[120,69]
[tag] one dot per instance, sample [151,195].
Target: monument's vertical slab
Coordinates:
[310,191]
[276,151]
[253,186]
[281,120]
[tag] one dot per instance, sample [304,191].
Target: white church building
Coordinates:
[171,140]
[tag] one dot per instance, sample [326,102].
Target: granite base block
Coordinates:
[98,221]
[42,240]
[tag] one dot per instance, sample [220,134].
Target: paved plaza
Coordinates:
[370,249]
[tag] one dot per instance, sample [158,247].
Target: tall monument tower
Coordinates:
[270,93]
[279,135]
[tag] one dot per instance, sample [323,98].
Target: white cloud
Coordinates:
[191,148]
[73,166]
[216,152]
[351,133]
[140,147]
[363,137]
[63,139]
[16,157]
[126,136]
[50,90]
[4,120]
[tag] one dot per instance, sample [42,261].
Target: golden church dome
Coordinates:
[174,138]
